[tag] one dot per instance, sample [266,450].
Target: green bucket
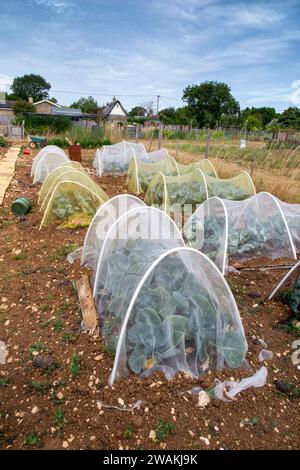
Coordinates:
[21,206]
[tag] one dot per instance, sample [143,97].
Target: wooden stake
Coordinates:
[87,305]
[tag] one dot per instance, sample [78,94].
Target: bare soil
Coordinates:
[48,396]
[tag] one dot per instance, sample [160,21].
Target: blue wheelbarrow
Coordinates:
[37,141]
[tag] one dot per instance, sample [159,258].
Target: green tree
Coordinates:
[53,100]
[290,118]
[252,123]
[209,101]
[184,115]
[21,107]
[264,114]
[137,111]
[167,115]
[87,105]
[31,85]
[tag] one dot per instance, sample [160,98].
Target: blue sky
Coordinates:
[150,47]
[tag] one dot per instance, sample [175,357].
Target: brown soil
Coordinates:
[40,398]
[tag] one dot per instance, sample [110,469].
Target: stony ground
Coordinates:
[55,374]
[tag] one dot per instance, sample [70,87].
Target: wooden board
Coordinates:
[87,305]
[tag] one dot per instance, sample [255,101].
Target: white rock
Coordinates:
[60,396]
[98,358]
[65,444]
[121,401]
[203,399]
[152,435]
[35,410]
[205,440]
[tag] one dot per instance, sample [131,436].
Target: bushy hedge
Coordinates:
[3,142]
[85,142]
[42,124]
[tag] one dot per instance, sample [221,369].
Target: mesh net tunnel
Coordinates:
[163,306]
[240,230]
[73,202]
[45,151]
[46,164]
[57,172]
[140,174]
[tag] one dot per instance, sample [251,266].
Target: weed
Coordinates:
[128,432]
[19,257]
[44,307]
[39,387]
[68,338]
[32,439]
[58,325]
[291,326]
[39,347]
[4,381]
[58,418]
[163,429]
[64,250]
[75,365]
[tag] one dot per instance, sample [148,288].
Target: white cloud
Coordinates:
[57,5]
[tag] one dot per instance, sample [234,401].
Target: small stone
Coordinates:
[137,421]
[121,401]
[203,399]
[99,357]
[92,438]
[152,435]
[35,410]
[71,438]
[205,440]
[44,362]
[191,433]
[7,323]
[35,353]
[281,386]
[65,444]
[60,396]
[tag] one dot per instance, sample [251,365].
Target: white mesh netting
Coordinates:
[240,230]
[46,164]
[163,306]
[116,158]
[45,151]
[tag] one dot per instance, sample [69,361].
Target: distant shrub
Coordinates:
[217,134]
[59,142]
[44,124]
[85,143]
[3,142]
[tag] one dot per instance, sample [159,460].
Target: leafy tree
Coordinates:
[54,100]
[167,115]
[137,111]
[11,97]
[264,114]
[87,105]
[209,101]
[184,115]
[21,107]
[31,85]
[253,123]
[290,118]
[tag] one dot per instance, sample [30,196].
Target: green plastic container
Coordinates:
[21,206]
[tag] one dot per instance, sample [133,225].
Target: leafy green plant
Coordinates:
[32,439]
[291,298]
[163,430]
[3,142]
[75,365]
[68,338]
[39,347]
[39,387]
[58,418]
[128,432]
[63,251]
[171,314]
[4,381]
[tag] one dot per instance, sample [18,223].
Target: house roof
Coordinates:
[6,104]
[105,112]
[49,102]
[62,111]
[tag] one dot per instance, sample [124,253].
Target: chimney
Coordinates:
[30,100]
[114,99]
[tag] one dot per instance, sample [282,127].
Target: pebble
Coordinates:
[99,357]
[205,440]
[65,444]
[60,396]
[121,401]
[152,435]
[35,410]
[203,399]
